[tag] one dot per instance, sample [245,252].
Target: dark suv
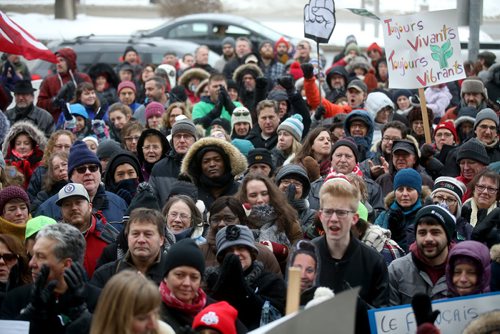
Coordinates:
[94,49]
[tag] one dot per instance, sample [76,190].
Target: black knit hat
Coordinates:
[442,216]
[121,157]
[224,123]
[349,142]
[144,198]
[260,156]
[295,172]
[473,150]
[184,253]
[79,154]
[128,49]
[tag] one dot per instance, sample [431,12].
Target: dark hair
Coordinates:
[308,142]
[233,204]
[487,173]
[396,125]
[305,247]
[217,77]
[147,215]
[83,86]
[14,245]
[286,214]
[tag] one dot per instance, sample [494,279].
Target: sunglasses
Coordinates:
[241,113]
[83,169]
[8,257]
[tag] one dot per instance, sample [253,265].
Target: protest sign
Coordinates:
[455,314]
[422,49]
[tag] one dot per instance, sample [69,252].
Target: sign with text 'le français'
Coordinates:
[422,49]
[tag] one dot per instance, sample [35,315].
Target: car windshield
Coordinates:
[266,31]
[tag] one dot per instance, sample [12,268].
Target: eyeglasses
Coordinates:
[444,134]
[151,148]
[224,218]
[387,138]
[184,136]
[60,147]
[132,138]
[482,188]
[8,257]
[448,200]
[486,127]
[287,182]
[241,113]
[327,213]
[83,169]
[182,216]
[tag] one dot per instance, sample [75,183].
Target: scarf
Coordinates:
[20,155]
[356,170]
[171,301]
[262,218]
[434,272]
[324,167]
[475,211]
[216,182]
[17,230]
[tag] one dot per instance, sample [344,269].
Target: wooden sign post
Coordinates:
[293,291]
[425,116]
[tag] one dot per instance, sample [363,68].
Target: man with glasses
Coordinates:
[76,211]
[85,168]
[145,233]
[166,171]
[472,159]
[345,261]
[486,131]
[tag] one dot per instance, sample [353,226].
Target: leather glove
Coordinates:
[320,112]
[261,83]
[421,304]
[67,111]
[75,278]
[286,81]
[216,111]
[308,70]
[42,299]
[427,152]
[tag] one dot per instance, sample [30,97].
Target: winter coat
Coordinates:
[112,206]
[265,256]
[386,180]
[480,254]
[406,278]
[258,142]
[38,116]
[52,84]
[44,195]
[438,99]
[404,232]
[312,97]
[27,164]
[164,175]
[493,85]
[36,183]
[203,108]
[488,230]
[495,268]
[474,215]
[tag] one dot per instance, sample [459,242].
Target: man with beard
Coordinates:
[336,79]
[243,48]
[155,88]
[472,94]
[212,164]
[228,53]
[76,211]
[272,69]
[423,269]
[26,110]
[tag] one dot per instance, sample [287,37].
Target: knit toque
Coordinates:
[107,148]
[295,172]
[10,193]
[228,40]
[448,125]
[473,150]
[349,142]
[184,253]
[185,126]
[486,113]
[442,216]
[294,126]
[408,177]
[126,84]
[154,109]
[451,186]
[234,235]
[241,115]
[220,317]
[79,155]
[260,156]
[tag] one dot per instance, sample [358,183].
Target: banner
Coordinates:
[16,40]
[422,49]
[455,314]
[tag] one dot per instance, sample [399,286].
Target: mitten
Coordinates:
[421,304]
[308,70]
[100,130]
[67,92]
[66,109]
[312,167]
[320,112]
[280,251]
[231,280]
[286,81]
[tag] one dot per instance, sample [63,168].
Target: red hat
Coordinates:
[296,71]
[154,109]
[448,125]
[374,47]
[126,84]
[281,40]
[220,316]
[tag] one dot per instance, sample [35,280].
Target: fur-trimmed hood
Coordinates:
[391,197]
[27,127]
[106,70]
[495,253]
[191,73]
[245,68]
[237,161]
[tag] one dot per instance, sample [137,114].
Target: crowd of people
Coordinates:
[172,198]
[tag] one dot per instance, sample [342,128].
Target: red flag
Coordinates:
[16,40]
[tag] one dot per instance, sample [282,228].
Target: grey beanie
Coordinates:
[184,125]
[228,40]
[486,113]
[107,148]
[295,172]
[473,149]
[234,235]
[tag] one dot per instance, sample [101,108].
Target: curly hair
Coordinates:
[49,148]
[166,116]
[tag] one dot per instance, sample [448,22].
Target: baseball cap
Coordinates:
[358,85]
[70,190]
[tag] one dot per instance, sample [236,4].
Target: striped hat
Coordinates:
[294,126]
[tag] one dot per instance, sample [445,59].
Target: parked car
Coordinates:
[210,29]
[109,49]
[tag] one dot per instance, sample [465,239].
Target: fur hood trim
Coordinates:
[239,72]
[193,73]
[391,197]
[28,127]
[238,162]
[495,253]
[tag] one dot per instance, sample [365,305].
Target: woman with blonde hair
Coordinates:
[175,109]
[129,304]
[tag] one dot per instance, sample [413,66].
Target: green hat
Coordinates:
[362,212]
[34,225]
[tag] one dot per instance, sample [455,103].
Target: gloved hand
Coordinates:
[280,251]
[126,189]
[286,81]
[217,109]
[395,220]
[261,83]
[308,70]
[227,102]
[100,114]
[42,299]
[67,92]
[231,281]
[320,112]
[422,307]
[427,152]
[290,192]
[65,107]
[75,278]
